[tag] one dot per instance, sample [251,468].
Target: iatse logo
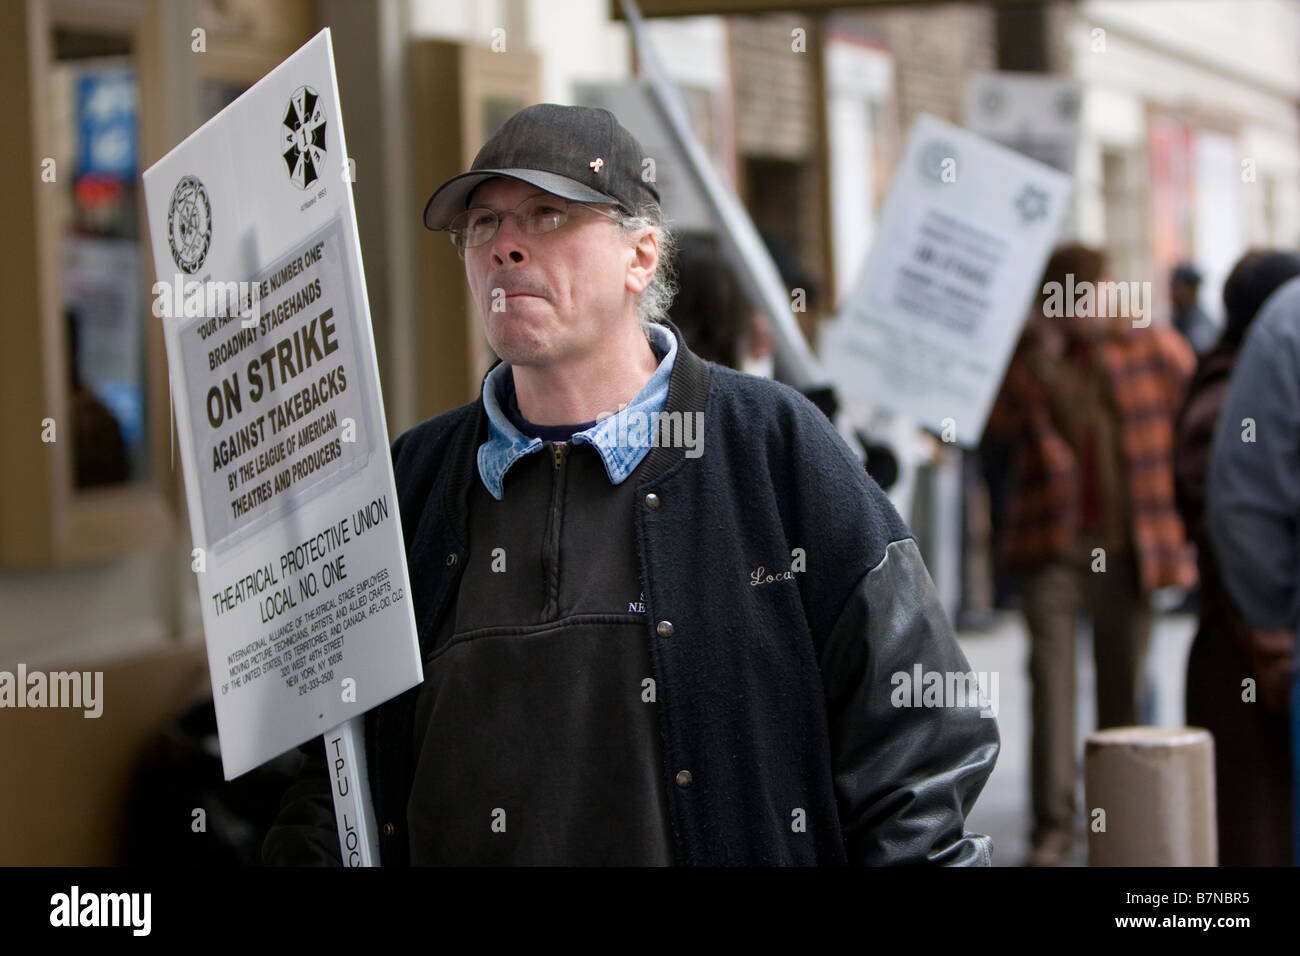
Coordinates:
[102,909]
[304,137]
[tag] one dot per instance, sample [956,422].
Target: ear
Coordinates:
[644,260]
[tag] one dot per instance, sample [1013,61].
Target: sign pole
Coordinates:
[740,240]
[345,749]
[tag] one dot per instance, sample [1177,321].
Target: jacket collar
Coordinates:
[620,447]
[688,389]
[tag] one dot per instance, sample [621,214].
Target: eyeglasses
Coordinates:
[535,216]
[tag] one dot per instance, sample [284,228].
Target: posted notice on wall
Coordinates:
[964,235]
[299,553]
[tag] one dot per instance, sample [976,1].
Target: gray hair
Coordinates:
[653,302]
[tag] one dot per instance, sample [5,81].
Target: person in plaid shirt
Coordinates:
[1088,408]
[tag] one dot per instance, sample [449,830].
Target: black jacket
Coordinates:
[788,613]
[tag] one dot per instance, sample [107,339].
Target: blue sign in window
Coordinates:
[106,123]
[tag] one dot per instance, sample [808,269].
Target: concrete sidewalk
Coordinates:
[1002,810]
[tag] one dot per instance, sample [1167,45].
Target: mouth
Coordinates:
[515,286]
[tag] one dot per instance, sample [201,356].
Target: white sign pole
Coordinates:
[740,240]
[345,749]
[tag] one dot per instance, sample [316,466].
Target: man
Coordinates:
[1253,512]
[1087,409]
[1252,751]
[662,608]
[1189,318]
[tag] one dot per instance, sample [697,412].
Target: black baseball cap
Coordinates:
[575,152]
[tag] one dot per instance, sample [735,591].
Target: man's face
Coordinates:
[550,298]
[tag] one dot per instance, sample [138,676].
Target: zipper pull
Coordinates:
[559,453]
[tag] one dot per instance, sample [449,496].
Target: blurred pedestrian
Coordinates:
[711,308]
[1088,407]
[1189,318]
[719,322]
[804,289]
[1252,515]
[98,450]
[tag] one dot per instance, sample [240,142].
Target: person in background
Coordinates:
[795,276]
[710,307]
[98,450]
[717,317]
[1189,318]
[1088,408]
[1251,743]
[1252,515]
[719,323]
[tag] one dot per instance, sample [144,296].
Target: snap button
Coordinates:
[664,628]
[451,560]
[388,829]
[683,778]
[652,501]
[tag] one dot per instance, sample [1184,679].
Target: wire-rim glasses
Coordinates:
[536,215]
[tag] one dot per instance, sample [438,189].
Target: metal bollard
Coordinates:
[1150,797]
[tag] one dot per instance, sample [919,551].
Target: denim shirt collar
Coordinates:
[620,448]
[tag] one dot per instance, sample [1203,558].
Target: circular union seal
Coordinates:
[189,225]
[304,137]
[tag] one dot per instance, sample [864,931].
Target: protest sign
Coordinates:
[953,269]
[299,553]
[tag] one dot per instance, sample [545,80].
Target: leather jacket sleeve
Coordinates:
[906,772]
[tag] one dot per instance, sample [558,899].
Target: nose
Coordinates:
[508,243]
